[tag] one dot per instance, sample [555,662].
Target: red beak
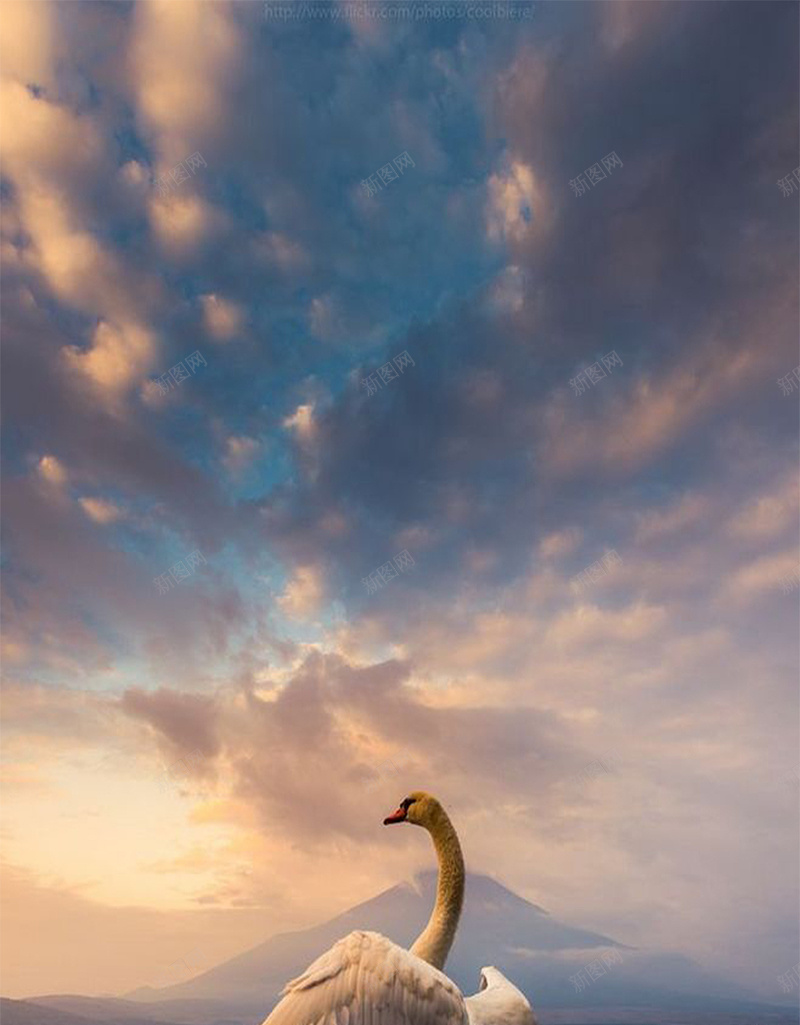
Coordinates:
[398,816]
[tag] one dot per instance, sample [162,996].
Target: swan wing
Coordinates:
[365,979]
[499,1002]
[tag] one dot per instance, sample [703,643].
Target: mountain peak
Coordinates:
[478,887]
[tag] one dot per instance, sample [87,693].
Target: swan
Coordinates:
[366,979]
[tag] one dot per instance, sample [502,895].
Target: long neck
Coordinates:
[434,942]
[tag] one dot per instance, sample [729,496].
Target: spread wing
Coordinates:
[365,979]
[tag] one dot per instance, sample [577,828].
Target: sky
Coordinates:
[390,521]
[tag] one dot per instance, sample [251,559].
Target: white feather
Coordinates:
[365,979]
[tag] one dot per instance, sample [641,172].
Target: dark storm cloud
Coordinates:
[681,261]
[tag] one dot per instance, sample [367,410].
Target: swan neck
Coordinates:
[434,942]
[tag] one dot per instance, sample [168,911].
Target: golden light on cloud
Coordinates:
[302,422]
[118,357]
[304,593]
[185,57]
[183,221]
[516,202]
[27,41]
[101,510]
[222,318]
[52,471]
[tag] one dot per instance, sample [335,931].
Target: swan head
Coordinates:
[419,808]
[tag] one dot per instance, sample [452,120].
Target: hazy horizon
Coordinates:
[355,441]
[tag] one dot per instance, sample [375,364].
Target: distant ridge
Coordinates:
[30,1012]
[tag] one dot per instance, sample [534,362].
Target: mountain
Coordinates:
[30,1012]
[535,950]
[495,920]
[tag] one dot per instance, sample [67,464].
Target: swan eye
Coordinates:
[407,803]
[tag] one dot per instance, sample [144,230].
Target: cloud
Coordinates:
[186,60]
[588,624]
[515,201]
[651,416]
[284,252]
[184,720]
[27,42]
[347,716]
[54,550]
[73,941]
[222,319]
[768,515]
[52,471]
[302,422]
[70,717]
[331,319]
[101,510]
[304,593]
[182,223]
[52,180]
[660,523]
[36,142]
[623,22]
[508,291]
[761,576]
[560,542]
[240,451]
[79,270]
[117,357]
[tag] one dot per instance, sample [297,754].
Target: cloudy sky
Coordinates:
[208,704]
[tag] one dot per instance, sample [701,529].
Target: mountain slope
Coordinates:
[30,1012]
[495,920]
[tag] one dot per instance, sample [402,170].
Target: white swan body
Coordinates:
[366,979]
